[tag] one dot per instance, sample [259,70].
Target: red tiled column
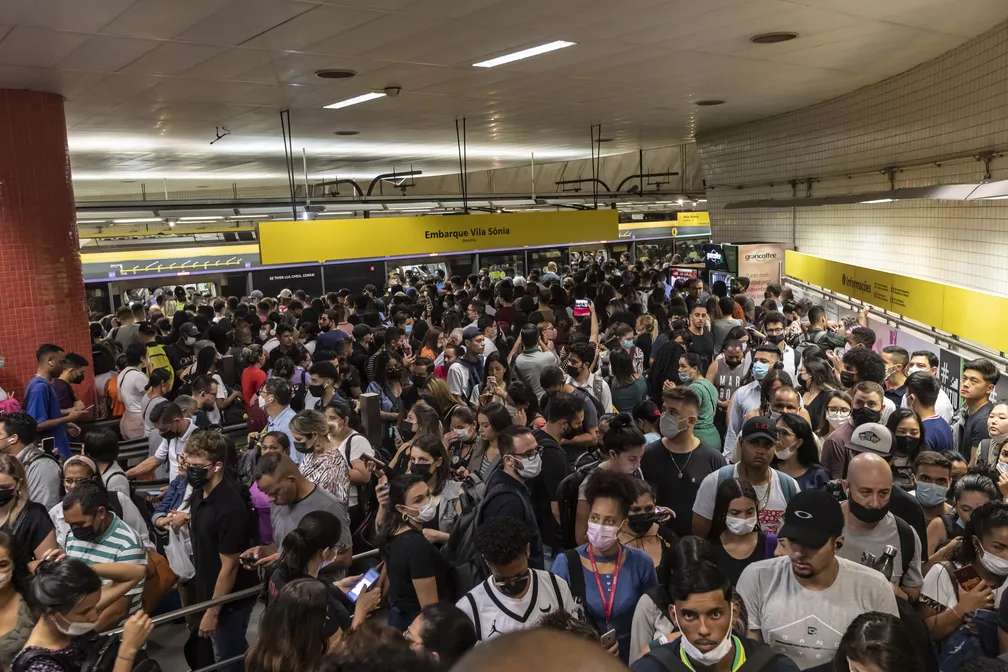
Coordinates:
[42,288]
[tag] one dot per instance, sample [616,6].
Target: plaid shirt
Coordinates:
[330,471]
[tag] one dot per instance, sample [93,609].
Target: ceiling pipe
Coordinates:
[641,176]
[385,176]
[337,183]
[582,180]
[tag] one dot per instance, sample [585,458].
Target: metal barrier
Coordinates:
[233,597]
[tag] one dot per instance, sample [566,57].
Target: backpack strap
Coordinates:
[948,571]
[906,539]
[597,389]
[22,663]
[576,573]
[667,655]
[556,589]
[760,658]
[476,617]
[787,486]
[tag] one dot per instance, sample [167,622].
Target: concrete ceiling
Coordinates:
[147,81]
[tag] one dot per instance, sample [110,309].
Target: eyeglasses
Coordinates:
[534,453]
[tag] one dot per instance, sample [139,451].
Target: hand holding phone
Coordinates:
[581,308]
[364,584]
[608,639]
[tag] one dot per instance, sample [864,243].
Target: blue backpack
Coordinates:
[977,639]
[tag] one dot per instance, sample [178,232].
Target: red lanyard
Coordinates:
[607,603]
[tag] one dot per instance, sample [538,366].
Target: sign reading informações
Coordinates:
[337,240]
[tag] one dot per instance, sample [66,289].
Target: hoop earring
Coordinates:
[405,518]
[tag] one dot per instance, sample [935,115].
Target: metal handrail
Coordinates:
[222,663]
[233,597]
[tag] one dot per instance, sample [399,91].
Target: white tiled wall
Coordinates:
[929,121]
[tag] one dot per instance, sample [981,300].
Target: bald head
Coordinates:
[538,649]
[869,468]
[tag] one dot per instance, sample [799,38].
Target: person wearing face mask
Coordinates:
[797,454]
[74,367]
[866,407]
[945,532]
[354,448]
[678,463]
[564,417]
[623,447]
[19,619]
[747,398]
[774,489]
[896,360]
[580,356]
[908,441]
[68,595]
[735,536]
[703,611]
[514,596]
[947,604]
[927,361]
[864,365]
[775,326]
[507,490]
[932,475]
[921,395]
[690,374]
[323,463]
[174,430]
[416,570]
[997,428]
[429,459]
[647,528]
[18,439]
[98,535]
[606,577]
[182,353]
[870,525]
[835,412]
[461,436]
[726,373]
[222,527]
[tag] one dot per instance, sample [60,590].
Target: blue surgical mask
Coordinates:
[684,377]
[930,494]
[409,328]
[960,522]
[760,370]
[628,343]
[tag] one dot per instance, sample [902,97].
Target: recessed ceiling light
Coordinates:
[525,53]
[355,101]
[708,103]
[878,200]
[335,74]
[346,133]
[772,38]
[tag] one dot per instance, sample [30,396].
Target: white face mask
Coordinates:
[716,654]
[740,526]
[837,418]
[262,401]
[72,629]
[1002,467]
[530,466]
[5,578]
[992,563]
[425,513]
[785,454]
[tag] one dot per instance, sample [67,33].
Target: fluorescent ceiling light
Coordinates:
[525,53]
[878,200]
[137,220]
[205,218]
[995,198]
[354,101]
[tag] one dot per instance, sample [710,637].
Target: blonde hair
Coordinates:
[439,391]
[310,422]
[12,467]
[649,325]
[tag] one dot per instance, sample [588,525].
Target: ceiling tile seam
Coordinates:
[5,35]
[121,13]
[311,8]
[877,20]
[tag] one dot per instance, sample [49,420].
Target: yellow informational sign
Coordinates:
[969,314]
[693,217]
[337,240]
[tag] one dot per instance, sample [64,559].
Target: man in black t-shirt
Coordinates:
[677,464]
[222,526]
[563,419]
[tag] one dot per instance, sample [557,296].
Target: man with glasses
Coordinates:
[507,494]
[774,326]
[515,596]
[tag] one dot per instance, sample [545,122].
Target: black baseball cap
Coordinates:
[812,518]
[759,428]
[189,329]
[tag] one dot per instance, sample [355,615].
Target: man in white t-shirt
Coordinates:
[801,604]
[175,431]
[756,448]
[515,597]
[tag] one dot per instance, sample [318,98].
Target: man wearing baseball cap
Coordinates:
[802,603]
[774,489]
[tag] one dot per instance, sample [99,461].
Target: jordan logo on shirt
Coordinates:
[493,629]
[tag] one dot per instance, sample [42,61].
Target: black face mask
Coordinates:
[393,373]
[864,514]
[327,327]
[775,338]
[905,445]
[639,523]
[847,379]
[317,391]
[406,432]
[85,533]
[196,476]
[515,586]
[862,416]
[573,371]
[418,469]
[6,496]
[78,379]
[570,432]
[302,447]
[418,380]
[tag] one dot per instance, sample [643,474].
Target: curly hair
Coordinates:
[605,484]
[869,365]
[502,540]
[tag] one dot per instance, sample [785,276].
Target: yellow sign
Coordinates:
[693,218]
[969,314]
[332,240]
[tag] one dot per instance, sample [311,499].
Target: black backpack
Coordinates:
[567,502]
[760,658]
[101,657]
[298,393]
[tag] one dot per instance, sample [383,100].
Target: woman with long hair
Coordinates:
[836,410]
[816,376]
[354,447]
[970,493]
[416,570]
[423,420]
[323,463]
[876,641]
[253,376]
[495,373]
[798,454]
[300,628]
[461,436]
[523,406]
[16,619]
[908,434]
[627,386]
[388,385]
[429,459]
[432,344]
[997,429]
[647,414]
[26,521]
[646,527]
[735,537]
[486,457]
[946,602]
[440,396]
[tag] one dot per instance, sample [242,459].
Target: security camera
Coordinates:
[392,91]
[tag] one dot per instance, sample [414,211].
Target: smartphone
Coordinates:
[396,435]
[491,381]
[608,639]
[967,577]
[88,408]
[581,308]
[153,493]
[379,465]
[366,581]
[49,445]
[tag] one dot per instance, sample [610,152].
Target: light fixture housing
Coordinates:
[335,74]
[374,95]
[773,38]
[708,103]
[524,53]
[136,220]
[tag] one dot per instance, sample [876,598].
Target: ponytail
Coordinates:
[317,531]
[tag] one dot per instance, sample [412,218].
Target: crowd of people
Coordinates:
[675,473]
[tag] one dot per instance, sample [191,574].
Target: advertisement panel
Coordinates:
[335,240]
[762,265]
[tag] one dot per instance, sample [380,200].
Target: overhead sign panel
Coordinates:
[337,240]
[161,262]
